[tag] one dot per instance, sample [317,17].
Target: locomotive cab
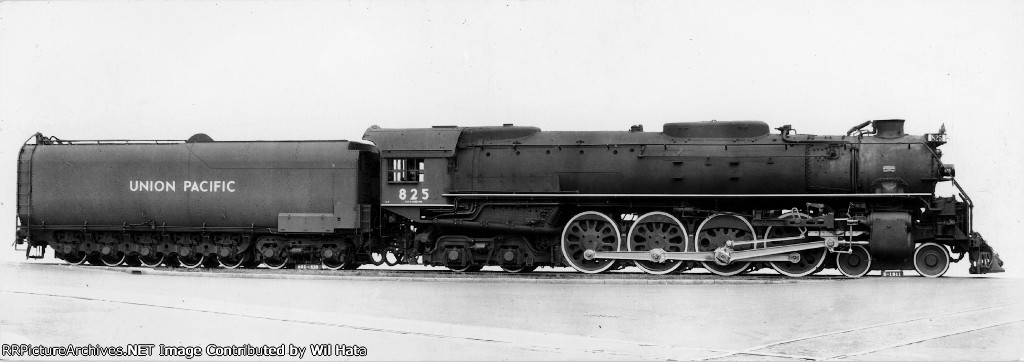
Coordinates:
[414,170]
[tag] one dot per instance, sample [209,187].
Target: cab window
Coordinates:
[405,170]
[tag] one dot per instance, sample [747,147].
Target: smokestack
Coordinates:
[888,128]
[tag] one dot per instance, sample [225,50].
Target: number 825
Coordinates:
[413,194]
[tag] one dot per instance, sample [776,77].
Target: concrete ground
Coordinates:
[491,316]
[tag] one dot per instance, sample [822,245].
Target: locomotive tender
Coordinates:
[729,197]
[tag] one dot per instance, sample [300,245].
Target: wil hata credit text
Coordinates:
[188,352]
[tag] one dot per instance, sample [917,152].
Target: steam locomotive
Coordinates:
[728,197]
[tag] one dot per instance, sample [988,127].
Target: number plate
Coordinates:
[892,273]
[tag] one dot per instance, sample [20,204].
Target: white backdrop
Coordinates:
[328,70]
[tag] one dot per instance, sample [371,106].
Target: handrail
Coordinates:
[19,191]
[970,206]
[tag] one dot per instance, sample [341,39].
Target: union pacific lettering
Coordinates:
[187,185]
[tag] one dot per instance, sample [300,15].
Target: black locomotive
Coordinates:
[729,197]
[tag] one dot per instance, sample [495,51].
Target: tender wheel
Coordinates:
[332,264]
[67,248]
[931,260]
[276,262]
[148,247]
[75,258]
[334,258]
[714,232]
[589,231]
[152,260]
[109,255]
[191,261]
[466,269]
[854,264]
[810,260]
[232,251]
[273,251]
[113,259]
[233,262]
[657,230]
[519,270]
